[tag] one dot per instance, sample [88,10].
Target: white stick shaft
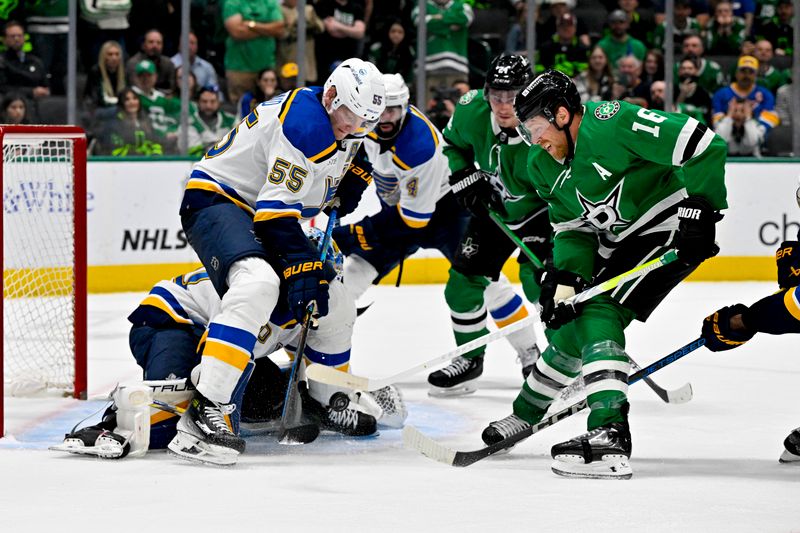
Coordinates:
[326,374]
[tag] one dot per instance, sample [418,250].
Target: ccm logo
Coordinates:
[689,212]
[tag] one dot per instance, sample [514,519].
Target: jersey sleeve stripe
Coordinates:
[329,359]
[157,301]
[324,154]
[271,209]
[769,117]
[231,355]
[414,219]
[200,181]
[791,303]
[286,105]
[692,141]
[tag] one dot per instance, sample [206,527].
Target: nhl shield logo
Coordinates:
[606,110]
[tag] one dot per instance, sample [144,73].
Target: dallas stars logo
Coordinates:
[604,215]
[606,110]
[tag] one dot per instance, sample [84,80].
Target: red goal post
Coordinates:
[43,230]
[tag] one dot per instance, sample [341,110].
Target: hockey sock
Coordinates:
[605,374]
[464,295]
[553,371]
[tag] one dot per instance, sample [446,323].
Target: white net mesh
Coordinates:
[38,269]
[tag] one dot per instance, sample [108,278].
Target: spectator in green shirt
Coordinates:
[725,33]
[618,43]
[252,27]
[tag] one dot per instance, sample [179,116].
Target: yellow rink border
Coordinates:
[423,270]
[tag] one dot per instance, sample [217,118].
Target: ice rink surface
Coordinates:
[708,465]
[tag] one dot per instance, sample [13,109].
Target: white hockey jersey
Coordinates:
[191,300]
[282,160]
[412,173]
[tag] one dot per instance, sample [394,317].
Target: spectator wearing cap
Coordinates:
[745,88]
[778,28]
[209,123]
[710,76]
[345,27]
[21,72]
[547,29]
[684,24]
[288,77]
[253,26]
[618,43]
[164,112]
[287,44]
[564,51]
[725,33]
[152,47]
[642,23]
[203,72]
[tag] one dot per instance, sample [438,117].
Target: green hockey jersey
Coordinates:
[631,167]
[474,139]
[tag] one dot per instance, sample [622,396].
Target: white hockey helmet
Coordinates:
[359,87]
[397,95]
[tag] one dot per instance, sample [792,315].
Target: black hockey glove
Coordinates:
[696,230]
[307,281]
[788,259]
[352,187]
[474,193]
[557,286]
[719,334]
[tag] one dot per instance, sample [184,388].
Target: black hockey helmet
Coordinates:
[507,73]
[542,97]
[549,91]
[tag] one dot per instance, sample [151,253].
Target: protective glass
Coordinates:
[391,114]
[357,126]
[496,96]
[532,129]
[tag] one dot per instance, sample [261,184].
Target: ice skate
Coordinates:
[204,435]
[791,448]
[601,453]
[97,440]
[527,358]
[457,378]
[504,428]
[340,417]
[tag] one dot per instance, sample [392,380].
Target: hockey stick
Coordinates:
[519,242]
[293,430]
[416,440]
[680,395]
[331,376]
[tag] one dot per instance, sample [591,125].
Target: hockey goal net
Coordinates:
[43,321]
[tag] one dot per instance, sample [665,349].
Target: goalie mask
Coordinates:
[334,256]
[359,88]
[391,119]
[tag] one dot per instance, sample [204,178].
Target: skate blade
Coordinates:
[788,457]
[611,467]
[190,448]
[462,389]
[104,451]
[299,435]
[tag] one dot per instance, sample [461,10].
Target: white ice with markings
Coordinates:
[708,465]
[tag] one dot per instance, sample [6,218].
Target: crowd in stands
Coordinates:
[731,71]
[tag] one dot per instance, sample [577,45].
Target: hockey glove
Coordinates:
[719,334]
[305,283]
[695,242]
[355,237]
[473,191]
[557,286]
[788,259]
[352,187]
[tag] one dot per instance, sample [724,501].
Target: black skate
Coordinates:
[528,359]
[791,445]
[504,428]
[97,440]
[457,378]
[339,417]
[601,453]
[204,435]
